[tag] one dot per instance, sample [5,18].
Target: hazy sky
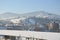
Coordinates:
[23,6]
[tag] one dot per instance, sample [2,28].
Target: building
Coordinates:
[53,26]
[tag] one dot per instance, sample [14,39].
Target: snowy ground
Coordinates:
[33,34]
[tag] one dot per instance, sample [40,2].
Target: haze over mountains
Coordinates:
[37,14]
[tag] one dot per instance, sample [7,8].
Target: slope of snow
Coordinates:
[17,20]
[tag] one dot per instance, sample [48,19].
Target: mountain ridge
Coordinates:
[36,13]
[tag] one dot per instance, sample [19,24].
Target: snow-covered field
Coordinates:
[33,34]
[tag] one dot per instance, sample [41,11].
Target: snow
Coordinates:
[33,34]
[42,16]
[17,20]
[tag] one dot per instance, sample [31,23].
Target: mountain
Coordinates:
[41,14]
[29,21]
[8,15]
